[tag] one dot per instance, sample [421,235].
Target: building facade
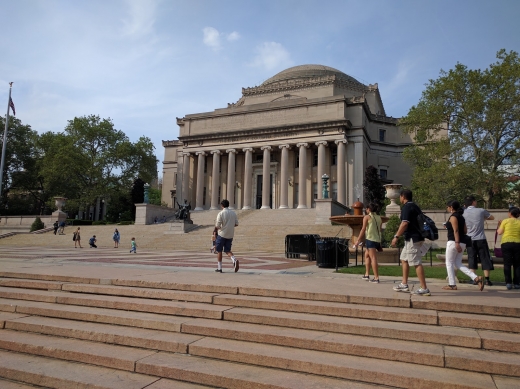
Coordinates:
[271,148]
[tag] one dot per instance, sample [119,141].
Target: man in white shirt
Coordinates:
[479,249]
[226,222]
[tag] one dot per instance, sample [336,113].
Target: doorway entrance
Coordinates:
[259,186]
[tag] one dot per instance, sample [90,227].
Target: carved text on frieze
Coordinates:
[248,138]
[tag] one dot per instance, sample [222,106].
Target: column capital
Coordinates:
[185,154]
[247,149]
[338,141]
[218,152]
[306,145]
[229,151]
[265,148]
[203,153]
[284,146]
[321,142]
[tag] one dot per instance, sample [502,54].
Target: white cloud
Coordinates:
[272,55]
[211,37]
[141,17]
[234,36]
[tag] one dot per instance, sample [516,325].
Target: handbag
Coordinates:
[497,251]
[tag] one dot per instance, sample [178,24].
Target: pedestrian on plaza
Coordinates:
[414,246]
[226,222]
[56,226]
[479,249]
[116,238]
[372,229]
[76,237]
[510,231]
[134,246]
[457,242]
[214,235]
[62,228]
[92,242]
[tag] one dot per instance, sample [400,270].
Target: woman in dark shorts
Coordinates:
[372,229]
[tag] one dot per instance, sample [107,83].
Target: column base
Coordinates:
[265,207]
[213,208]
[283,207]
[302,207]
[198,209]
[247,207]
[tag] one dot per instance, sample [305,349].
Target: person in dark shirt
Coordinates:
[414,246]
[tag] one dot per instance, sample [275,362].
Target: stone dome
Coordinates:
[308,71]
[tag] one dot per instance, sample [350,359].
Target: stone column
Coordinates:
[284,173]
[231,183]
[265,177]
[321,165]
[215,179]
[302,177]
[248,175]
[199,199]
[185,178]
[341,173]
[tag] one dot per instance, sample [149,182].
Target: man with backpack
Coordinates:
[414,246]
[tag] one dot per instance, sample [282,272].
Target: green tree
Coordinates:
[92,159]
[21,181]
[467,129]
[37,225]
[374,189]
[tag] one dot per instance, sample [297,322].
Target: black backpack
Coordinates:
[427,227]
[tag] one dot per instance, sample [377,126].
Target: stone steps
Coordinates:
[243,337]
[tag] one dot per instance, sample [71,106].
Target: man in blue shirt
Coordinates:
[414,246]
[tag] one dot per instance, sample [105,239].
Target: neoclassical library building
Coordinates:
[271,148]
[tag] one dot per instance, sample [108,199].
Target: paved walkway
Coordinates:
[259,270]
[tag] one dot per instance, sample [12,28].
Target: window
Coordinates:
[204,196]
[382,135]
[297,161]
[383,173]
[334,157]
[334,191]
[315,158]
[205,165]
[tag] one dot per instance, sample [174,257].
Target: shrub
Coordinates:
[392,225]
[126,223]
[77,222]
[37,225]
[99,223]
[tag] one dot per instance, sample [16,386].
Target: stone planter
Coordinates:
[392,192]
[389,255]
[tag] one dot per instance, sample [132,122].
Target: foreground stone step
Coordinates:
[221,289]
[488,322]
[5,316]
[390,349]
[180,308]
[509,307]
[27,294]
[54,373]
[98,315]
[105,333]
[407,315]
[378,329]
[398,374]
[16,385]
[229,375]
[107,355]
[30,284]
[49,277]
[162,294]
[483,361]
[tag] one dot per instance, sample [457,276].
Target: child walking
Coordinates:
[134,246]
[213,240]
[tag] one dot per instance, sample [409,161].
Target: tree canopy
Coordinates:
[88,160]
[467,131]
[374,189]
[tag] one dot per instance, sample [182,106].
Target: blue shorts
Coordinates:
[370,244]
[223,243]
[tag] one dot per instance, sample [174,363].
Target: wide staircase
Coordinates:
[258,231]
[61,331]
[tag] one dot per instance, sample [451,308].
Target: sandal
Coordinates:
[480,283]
[450,287]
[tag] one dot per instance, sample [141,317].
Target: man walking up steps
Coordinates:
[226,222]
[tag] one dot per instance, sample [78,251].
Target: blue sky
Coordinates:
[145,62]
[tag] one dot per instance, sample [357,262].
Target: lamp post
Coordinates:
[325,190]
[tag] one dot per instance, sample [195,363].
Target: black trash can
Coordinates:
[296,245]
[331,252]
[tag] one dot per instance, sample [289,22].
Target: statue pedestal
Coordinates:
[181,227]
[60,216]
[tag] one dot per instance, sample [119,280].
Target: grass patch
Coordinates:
[438,272]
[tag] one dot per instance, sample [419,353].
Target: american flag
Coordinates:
[11,104]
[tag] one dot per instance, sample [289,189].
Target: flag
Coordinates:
[11,104]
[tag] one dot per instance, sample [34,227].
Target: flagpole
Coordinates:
[4,143]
